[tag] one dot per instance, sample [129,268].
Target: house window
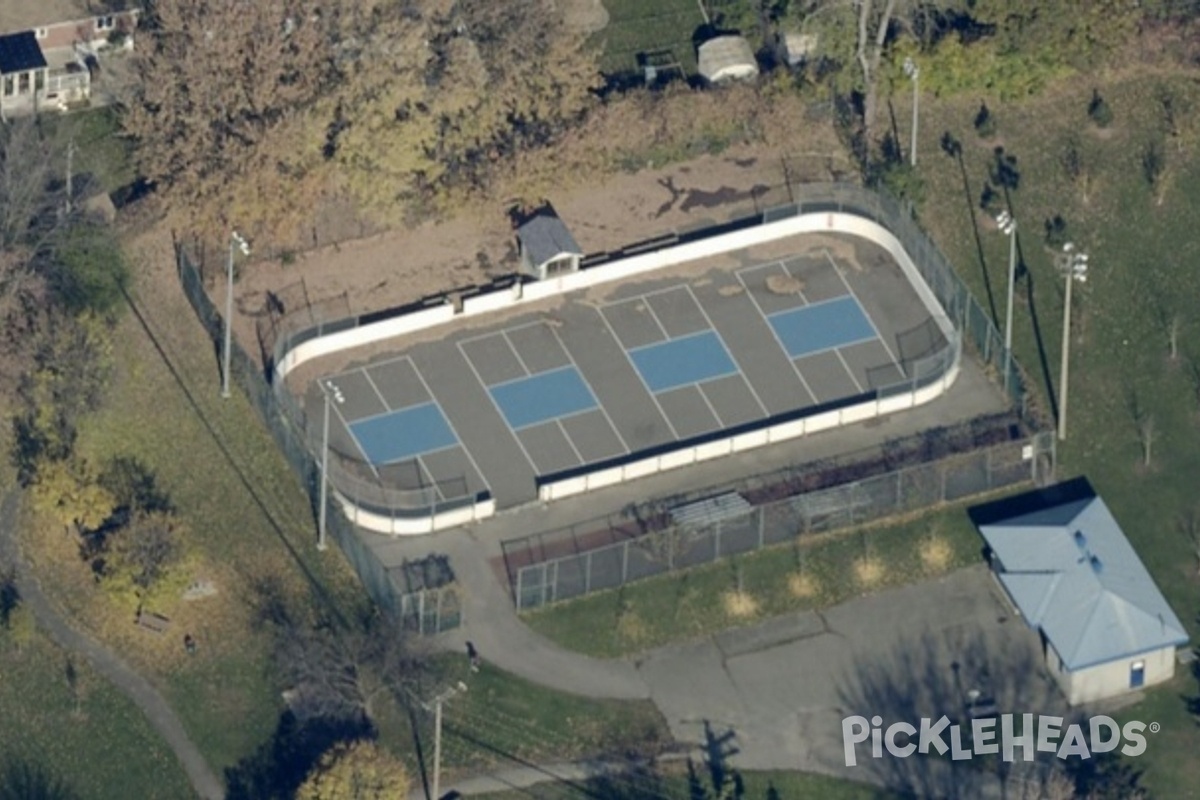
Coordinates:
[39,80]
[105,23]
[23,83]
[8,85]
[1137,675]
[41,33]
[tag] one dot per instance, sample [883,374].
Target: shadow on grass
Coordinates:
[953,148]
[1043,359]
[22,780]
[276,770]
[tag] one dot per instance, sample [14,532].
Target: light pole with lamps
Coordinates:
[1074,266]
[914,72]
[1008,226]
[235,239]
[437,733]
[324,492]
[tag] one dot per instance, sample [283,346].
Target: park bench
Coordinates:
[155,623]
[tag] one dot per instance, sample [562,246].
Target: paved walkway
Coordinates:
[206,783]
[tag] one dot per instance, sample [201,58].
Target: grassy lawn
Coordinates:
[806,574]
[759,786]
[504,721]
[1143,257]
[636,26]
[96,742]
[100,151]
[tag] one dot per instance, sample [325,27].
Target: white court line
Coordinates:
[728,352]
[588,384]
[432,480]
[646,386]
[767,321]
[450,422]
[503,418]
[350,431]
[567,436]
[716,417]
[569,415]
[489,334]
[524,378]
[849,371]
[836,349]
[379,394]
[613,330]
[850,289]
[513,347]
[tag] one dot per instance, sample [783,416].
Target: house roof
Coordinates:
[20,52]
[726,57]
[21,15]
[1072,573]
[545,237]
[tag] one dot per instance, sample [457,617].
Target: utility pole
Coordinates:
[234,239]
[324,472]
[1008,225]
[914,72]
[70,174]
[437,734]
[1074,267]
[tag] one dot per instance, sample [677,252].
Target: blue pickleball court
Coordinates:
[543,397]
[822,326]
[403,434]
[685,361]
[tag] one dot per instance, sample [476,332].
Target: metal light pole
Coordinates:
[324,493]
[1074,266]
[234,239]
[437,735]
[1008,225]
[914,72]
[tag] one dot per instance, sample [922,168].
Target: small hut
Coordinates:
[726,58]
[547,248]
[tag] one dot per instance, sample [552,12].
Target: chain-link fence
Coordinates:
[569,563]
[428,606]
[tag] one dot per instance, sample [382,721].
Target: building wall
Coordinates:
[1110,679]
[67,34]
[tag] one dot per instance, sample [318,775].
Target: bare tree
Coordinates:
[1146,435]
[872,36]
[1188,524]
[1173,329]
[342,674]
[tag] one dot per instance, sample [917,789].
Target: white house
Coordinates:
[726,58]
[1072,575]
[547,248]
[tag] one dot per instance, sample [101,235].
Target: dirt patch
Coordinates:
[739,604]
[584,17]
[784,284]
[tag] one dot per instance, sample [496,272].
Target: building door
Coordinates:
[1137,675]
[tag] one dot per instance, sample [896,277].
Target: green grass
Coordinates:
[104,748]
[688,605]
[504,721]
[1143,258]
[636,26]
[758,785]
[100,150]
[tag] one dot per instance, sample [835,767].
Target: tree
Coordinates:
[28,204]
[71,365]
[88,271]
[357,771]
[21,780]
[67,489]
[436,93]
[146,557]
[231,83]
[342,674]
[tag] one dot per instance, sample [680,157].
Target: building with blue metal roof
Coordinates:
[1071,573]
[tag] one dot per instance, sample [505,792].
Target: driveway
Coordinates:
[783,688]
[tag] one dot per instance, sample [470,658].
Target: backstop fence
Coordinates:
[298,318]
[643,542]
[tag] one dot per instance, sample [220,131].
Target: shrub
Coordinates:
[1099,111]
[985,123]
